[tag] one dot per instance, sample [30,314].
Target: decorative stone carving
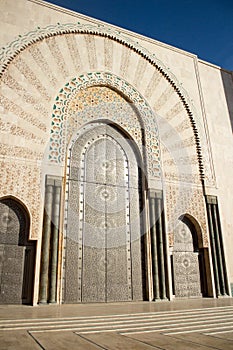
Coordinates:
[9,53]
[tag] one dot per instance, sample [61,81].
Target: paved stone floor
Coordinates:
[177,325]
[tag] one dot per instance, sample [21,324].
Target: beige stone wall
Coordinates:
[23,16]
[221,141]
[38,90]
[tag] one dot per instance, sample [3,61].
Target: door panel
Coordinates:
[17,254]
[108,218]
[186,262]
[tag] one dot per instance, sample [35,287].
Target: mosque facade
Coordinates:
[116,164]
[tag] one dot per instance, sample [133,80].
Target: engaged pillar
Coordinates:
[50,237]
[44,268]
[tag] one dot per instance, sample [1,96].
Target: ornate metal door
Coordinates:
[108,249]
[17,255]
[186,262]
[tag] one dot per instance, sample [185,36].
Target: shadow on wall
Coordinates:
[227,79]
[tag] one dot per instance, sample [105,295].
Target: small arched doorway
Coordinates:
[17,254]
[188,268]
[104,244]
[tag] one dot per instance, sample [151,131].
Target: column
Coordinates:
[43,294]
[219,251]
[213,247]
[54,243]
[154,248]
[160,230]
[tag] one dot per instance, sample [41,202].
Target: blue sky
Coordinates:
[203,27]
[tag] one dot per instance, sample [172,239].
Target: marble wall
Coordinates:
[61,70]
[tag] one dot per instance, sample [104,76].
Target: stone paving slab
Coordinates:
[166,342]
[228,336]
[115,341]
[63,341]
[208,340]
[17,340]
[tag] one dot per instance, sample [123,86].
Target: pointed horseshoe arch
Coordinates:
[12,50]
[144,126]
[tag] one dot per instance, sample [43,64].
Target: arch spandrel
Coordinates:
[188,200]
[22,180]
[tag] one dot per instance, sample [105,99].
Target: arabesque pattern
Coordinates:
[76,106]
